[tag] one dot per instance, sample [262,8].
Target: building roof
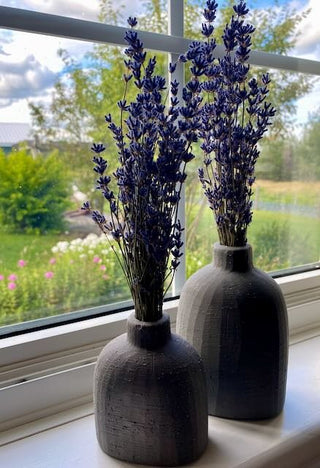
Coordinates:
[13,133]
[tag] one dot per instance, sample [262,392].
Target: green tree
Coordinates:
[33,192]
[276,32]
[308,150]
[89,89]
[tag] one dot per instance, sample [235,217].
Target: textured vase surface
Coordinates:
[236,318]
[150,397]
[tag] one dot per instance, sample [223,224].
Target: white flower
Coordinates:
[63,246]
[77,241]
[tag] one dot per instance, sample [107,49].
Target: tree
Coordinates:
[308,150]
[89,89]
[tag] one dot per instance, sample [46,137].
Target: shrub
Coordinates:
[33,192]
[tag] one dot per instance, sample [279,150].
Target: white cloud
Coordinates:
[29,66]
[2,51]
[82,9]
[21,79]
[309,104]
[29,63]
[308,44]
[76,8]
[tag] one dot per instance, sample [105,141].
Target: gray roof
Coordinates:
[12,133]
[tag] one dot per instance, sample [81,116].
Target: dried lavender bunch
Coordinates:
[152,154]
[233,116]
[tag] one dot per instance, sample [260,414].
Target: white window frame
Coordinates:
[44,372]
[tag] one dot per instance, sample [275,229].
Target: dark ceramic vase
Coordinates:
[150,397]
[235,317]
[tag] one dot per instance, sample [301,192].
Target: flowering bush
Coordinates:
[231,111]
[80,273]
[153,152]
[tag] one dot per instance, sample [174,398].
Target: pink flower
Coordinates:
[106,277]
[52,261]
[22,263]
[12,286]
[49,274]
[103,268]
[96,259]
[12,277]
[1,277]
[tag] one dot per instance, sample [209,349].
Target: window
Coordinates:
[286,196]
[286,201]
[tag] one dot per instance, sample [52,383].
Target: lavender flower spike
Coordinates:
[232,115]
[153,149]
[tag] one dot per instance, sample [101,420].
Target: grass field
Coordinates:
[298,236]
[291,192]
[14,247]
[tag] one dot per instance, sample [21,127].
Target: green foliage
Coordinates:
[33,192]
[308,151]
[276,32]
[283,240]
[277,159]
[77,274]
[279,241]
[91,88]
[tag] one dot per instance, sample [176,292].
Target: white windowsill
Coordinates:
[71,440]
[46,372]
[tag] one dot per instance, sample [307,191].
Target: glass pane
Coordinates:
[52,105]
[285,27]
[285,231]
[152,16]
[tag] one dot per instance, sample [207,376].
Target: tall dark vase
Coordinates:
[235,317]
[150,397]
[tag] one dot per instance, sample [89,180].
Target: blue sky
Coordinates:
[262,3]
[267,3]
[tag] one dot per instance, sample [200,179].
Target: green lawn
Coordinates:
[14,247]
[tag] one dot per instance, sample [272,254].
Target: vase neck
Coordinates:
[149,335]
[232,258]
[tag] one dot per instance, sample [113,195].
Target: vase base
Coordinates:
[235,316]
[151,404]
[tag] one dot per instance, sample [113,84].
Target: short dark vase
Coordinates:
[236,318]
[150,397]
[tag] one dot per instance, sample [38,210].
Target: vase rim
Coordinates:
[218,246]
[147,323]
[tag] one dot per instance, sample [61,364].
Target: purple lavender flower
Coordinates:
[153,151]
[231,115]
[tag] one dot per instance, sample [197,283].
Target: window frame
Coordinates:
[46,371]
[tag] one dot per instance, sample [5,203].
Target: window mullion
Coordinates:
[176,28]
